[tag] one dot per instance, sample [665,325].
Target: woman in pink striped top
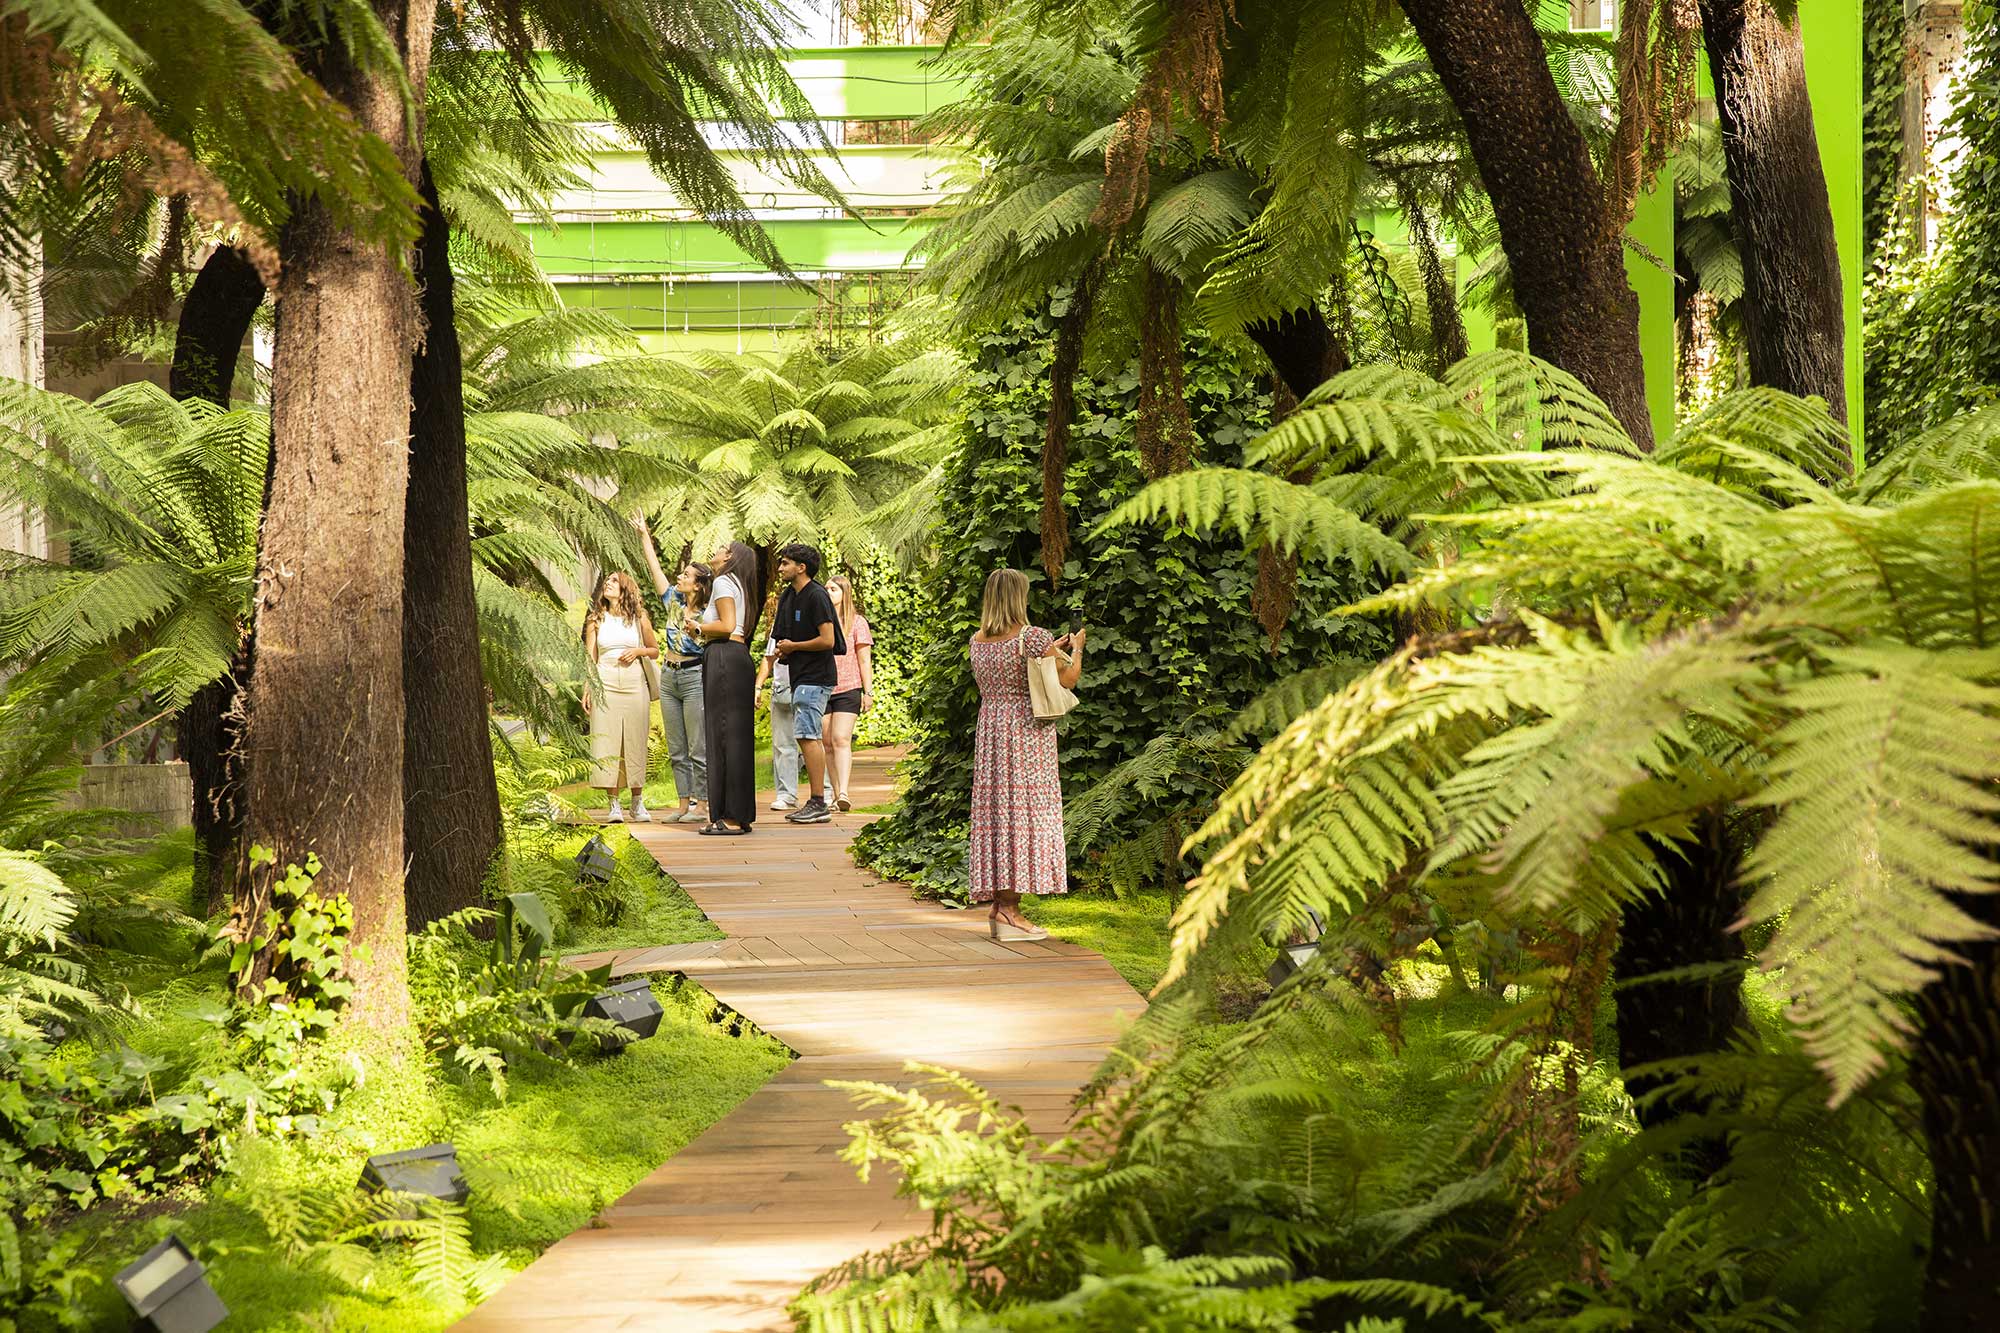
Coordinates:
[853,687]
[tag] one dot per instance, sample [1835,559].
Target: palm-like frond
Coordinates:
[157,503]
[1730,622]
[797,449]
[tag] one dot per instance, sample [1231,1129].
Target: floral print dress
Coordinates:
[1017,815]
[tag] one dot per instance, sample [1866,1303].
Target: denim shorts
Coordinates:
[808,710]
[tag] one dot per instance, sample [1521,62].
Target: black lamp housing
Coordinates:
[431,1170]
[629,1004]
[596,860]
[168,1291]
[1292,957]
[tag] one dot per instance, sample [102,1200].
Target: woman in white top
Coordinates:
[618,636]
[727,685]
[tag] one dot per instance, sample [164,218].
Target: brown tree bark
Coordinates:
[324,725]
[1794,321]
[1957,1050]
[215,318]
[451,808]
[1565,252]
[1064,365]
[1303,347]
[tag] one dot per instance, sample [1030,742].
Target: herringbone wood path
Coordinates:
[856,977]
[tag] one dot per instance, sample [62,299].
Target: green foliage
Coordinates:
[515,1002]
[1932,322]
[206,100]
[1714,625]
[1884,80]
[338,1232]
[843,452]
[1172,642]
[897,603]
[157,502]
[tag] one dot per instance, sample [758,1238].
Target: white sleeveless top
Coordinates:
[618,632]
[725,585]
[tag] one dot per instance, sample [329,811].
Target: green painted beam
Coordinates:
[612,249]
[847,82]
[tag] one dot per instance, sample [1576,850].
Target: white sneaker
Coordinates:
[640,814]
[781,804]
[616,814]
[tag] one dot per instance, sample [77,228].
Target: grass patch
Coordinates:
[1131,932]
[657,910]
[566,1143]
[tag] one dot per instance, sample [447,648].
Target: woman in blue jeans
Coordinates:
[680,677]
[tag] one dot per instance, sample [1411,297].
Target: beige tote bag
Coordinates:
[1050,697]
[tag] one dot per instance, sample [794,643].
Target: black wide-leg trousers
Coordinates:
[729,688]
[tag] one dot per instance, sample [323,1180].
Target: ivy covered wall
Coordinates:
[1172,630]
[1933,322]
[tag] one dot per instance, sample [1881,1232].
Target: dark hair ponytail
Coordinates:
[742,567]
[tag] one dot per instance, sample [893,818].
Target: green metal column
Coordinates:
[1653,230]
[1832,34]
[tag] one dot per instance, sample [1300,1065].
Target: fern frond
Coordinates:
[1881,786]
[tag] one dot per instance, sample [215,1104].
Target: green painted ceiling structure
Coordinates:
[623,246]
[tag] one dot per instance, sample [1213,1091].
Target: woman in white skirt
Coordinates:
[618,636]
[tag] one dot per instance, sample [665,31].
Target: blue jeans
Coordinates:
[680,716]
[784,745]
[809,710]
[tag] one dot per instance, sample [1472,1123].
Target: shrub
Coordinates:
[1173,634]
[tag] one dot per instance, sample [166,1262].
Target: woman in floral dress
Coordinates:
[1017,816]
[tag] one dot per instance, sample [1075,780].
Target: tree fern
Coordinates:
[1265,510]
[1721,626]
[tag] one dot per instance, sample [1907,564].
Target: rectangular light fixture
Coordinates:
[596,861]
[1293,956]
[629,1004]
[431,1170]
[169,1292]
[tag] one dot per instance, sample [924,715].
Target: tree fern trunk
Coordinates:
[324,726]
[1686,925]
[1957,1054]
[1303,347]
[215,318]
[1793,317]
[1566,254]
[451,808]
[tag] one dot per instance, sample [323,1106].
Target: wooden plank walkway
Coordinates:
[858,978]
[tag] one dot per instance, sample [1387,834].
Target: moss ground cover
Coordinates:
[566,1142]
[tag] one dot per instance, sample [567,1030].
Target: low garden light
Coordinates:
[596,861]
[629,1004]
[1296,953]
[431,1170]
[168,1291]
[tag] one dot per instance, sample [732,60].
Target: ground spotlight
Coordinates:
[431,1170]
[169,1292]
[596,861]
[629,1004]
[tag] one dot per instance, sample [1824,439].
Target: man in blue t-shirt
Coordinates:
[808,639]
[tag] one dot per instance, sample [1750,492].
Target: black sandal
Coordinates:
[721,830]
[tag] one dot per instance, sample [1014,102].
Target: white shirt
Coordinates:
[781,675]
[617,632]
[724,586]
